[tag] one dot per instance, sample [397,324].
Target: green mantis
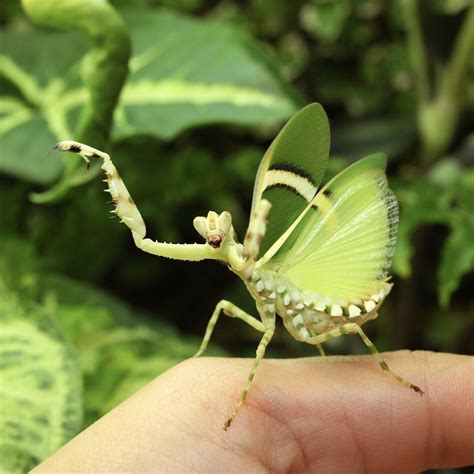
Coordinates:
[316,256]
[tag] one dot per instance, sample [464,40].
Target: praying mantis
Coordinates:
[317,256]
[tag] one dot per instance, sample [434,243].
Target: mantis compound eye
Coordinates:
[214,241]
[208,228]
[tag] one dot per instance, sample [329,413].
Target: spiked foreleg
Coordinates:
[269,330]
[129,214]
[352,328]
[233,311]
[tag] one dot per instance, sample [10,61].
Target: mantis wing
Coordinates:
[291,169]
[343,244]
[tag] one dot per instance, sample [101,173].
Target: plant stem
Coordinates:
[106,68]
[462,58]
[439,118]
[416,49]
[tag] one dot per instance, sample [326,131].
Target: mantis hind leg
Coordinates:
[352,328]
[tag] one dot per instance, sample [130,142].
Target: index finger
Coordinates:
[301,415]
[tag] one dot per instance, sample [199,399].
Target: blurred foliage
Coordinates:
[209,84]
[40,387]
[69,353]
[444,197]
[170,87]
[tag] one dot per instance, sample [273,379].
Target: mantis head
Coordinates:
[216,229]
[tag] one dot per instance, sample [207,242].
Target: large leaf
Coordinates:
[187,71]
[458,252]
[119,348]
[40,387]
[421,204]
[184,72]
[35,70]
[457,260]
[445,197]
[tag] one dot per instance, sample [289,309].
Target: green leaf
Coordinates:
[325,20]
[118,348]
[25,152]
[38,67]
[18,267]
[185,72]
[445,172]
[420,203]
[40,388]
[447,198]
[457,260]
[458,252]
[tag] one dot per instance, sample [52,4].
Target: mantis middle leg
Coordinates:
[352,328]
[233,311]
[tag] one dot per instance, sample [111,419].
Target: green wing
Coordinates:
[291,170]
[343,245]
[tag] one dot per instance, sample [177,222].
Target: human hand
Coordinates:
[302,415]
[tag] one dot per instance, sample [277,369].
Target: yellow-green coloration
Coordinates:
[184,91]
[316,257]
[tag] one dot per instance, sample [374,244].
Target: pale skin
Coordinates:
[221,245]
[302,415]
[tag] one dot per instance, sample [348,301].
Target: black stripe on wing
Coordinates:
[293,169]
[292,178]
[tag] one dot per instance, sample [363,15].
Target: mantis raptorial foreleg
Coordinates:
[129,214]
[233,311]
[353,328]
[269,330]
